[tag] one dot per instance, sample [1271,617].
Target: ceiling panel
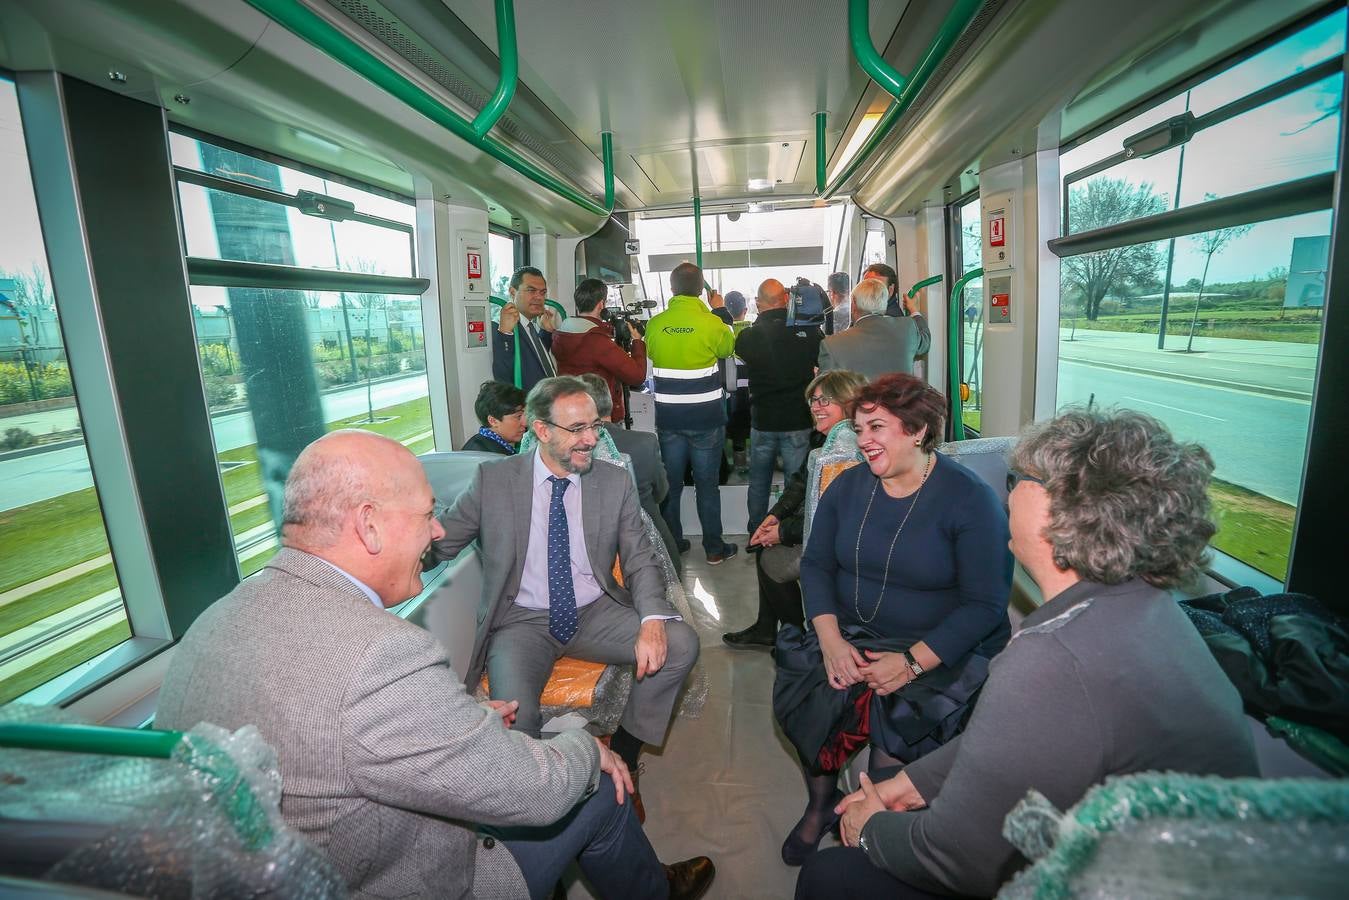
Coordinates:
[708,78]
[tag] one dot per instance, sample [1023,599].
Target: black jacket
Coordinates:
[791,506]
[780,362]
[482,444]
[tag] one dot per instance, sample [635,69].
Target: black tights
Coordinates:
[822,793]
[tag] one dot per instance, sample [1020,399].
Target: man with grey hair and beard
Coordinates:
[877,344]
[408,786]
[550,526]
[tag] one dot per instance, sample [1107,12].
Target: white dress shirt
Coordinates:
[365,588]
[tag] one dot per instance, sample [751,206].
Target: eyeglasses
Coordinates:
[578,430]
[1014,478]
[821,400]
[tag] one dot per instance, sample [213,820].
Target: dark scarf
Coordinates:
[493,436]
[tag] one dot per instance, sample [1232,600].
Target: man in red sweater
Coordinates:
[583,344]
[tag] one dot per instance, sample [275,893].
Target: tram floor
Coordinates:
[726,784]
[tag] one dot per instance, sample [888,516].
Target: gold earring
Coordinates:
[918,443]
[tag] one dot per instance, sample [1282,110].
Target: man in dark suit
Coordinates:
[648,469]
[526,326]
[386,763]
[877,344]
[550,525]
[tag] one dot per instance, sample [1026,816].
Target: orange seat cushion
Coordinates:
[572,683]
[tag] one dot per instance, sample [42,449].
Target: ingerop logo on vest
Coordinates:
[670,329]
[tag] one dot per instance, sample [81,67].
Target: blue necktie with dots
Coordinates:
[561,591]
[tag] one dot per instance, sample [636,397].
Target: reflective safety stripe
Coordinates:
[689,398]
[684,373]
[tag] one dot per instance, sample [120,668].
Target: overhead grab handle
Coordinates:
[510,70]
[926,282]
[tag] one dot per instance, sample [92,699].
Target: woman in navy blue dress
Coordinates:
[905,579]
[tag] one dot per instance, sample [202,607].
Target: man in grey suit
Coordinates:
[550,526]
[643,448]
[877,344]
[386,763]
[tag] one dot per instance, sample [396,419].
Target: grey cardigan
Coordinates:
[386,763]
[1101,680]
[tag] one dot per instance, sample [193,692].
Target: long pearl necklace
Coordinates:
[857,554]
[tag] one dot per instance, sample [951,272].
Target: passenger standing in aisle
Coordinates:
[894,303]
[839,316]
[527,321]
[780,362]
[877,344]
[738,427]
[584,344]
[686,344]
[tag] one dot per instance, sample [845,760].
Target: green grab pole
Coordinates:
[510,70]
[607,155]
[558,308]
[91,739]
[953,351]
[821,158]
[960,16]
[698,229]
[297,18]
[926,282]
[859,35]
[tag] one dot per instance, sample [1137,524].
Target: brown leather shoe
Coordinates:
[691,878]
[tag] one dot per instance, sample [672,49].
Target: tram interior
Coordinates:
[176,168]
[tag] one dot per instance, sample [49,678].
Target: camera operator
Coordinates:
[585,343]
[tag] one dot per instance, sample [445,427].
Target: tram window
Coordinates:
[742,249]
[967,223]
[60,602]
[1217,333]
[501,262]
[1292,136]
[281,367]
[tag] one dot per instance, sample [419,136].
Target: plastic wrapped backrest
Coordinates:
[1169,835]
[824,464]
[203,824]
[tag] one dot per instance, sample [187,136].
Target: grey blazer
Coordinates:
[648,467]
[877,345]
[386,763]
[495,511]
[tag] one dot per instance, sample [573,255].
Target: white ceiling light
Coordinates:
[859,136]
[760,184]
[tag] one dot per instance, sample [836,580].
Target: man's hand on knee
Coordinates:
[506,709]
[617,769]
[651,648]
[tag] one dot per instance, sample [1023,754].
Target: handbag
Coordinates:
[782,563]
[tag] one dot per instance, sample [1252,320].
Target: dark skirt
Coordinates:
[826,725]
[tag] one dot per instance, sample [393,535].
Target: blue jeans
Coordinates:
[603,837]
[704,449]
[764,447]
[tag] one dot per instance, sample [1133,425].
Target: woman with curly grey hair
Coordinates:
[1107,677]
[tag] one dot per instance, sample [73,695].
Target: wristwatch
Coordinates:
[914,667]
[862,843]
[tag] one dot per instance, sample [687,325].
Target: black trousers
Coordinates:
[845,872]
[779,604]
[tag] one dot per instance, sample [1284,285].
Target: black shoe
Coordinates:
[727,551]
[683,545]
[796,850]
[691,878]
[753,636]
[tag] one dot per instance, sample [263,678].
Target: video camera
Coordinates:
[624,317]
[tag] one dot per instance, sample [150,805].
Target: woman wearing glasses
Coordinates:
[1107,677]
[828,396]
[500,408]
[905,579]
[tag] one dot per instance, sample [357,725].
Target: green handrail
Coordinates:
[953,351]
[926,282]
[821,157]
[250,820]
[607,155]
[960,16]
[698,229]
[510,70]
[859,35]
[297,18]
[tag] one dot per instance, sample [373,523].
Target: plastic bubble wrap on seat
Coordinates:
[204,824]
[1184,836]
